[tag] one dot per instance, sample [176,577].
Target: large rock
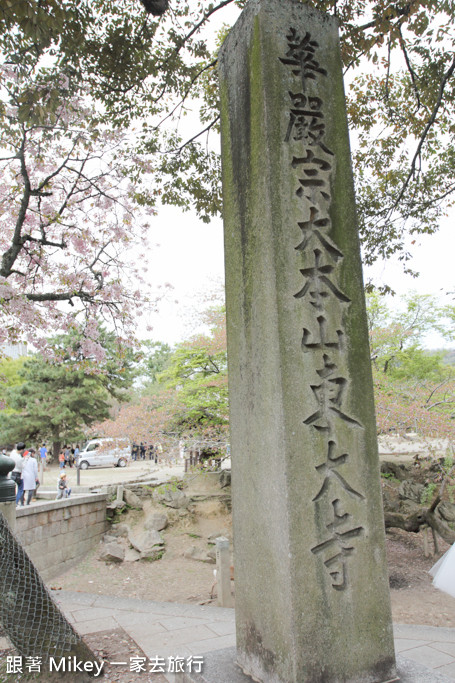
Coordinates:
[195,553]
[157,521]
[113,552]
[399,470]
[147,542]
[447,511]
[410,490]
[120,530]
[132,499]
[409,507]
[116,505]
[225,478]
[132,555]
[175,499]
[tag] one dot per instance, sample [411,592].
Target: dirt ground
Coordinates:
[176,578]
[173,578]
[414,599]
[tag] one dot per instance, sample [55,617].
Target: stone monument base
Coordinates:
[220,667]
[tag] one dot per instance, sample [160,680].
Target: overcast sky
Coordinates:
[190,257]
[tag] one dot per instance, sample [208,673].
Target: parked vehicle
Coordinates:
[104,453]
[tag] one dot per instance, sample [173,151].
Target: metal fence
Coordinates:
[28,614]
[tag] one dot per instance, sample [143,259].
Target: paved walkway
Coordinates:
[169,629]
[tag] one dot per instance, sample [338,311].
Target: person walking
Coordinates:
[61,460]
[29,475]
[43,454]
[16,475]
[67,454]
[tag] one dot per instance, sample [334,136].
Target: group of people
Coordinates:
[140,451]
[68,456]
[25,474]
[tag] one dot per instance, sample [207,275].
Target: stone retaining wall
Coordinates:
[58,534]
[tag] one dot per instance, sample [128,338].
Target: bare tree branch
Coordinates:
[188,142]
[431,121]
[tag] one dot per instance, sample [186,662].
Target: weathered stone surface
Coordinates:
[398,469]
[157,521]
[312,599]
[112,552]
[225,478]
[217,534]
[120,530]
[199,554]
[116,505]
[132,499]
[409,490]
[132,555]
[148,542]
[220,666]
[447,511]
[409,507]
[109,538]
[175,499]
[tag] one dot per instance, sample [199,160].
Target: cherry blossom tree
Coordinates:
[69,223]
[399,64]
[93,94]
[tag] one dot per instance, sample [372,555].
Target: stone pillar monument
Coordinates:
[312,600]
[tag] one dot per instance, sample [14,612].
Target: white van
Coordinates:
[104,452]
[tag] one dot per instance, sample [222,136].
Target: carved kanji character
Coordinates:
[329,470]
[322,343]
[329,396]
[312,229]
[300,55]
[339,541]
[318,285]
[310,158]
[306,121]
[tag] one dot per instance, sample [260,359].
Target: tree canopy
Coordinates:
[93,99]
[57,399]
[414,387]
[189,399]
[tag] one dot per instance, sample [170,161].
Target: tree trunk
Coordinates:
[441,527]
[410,523]
[56,446]
[416,520]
